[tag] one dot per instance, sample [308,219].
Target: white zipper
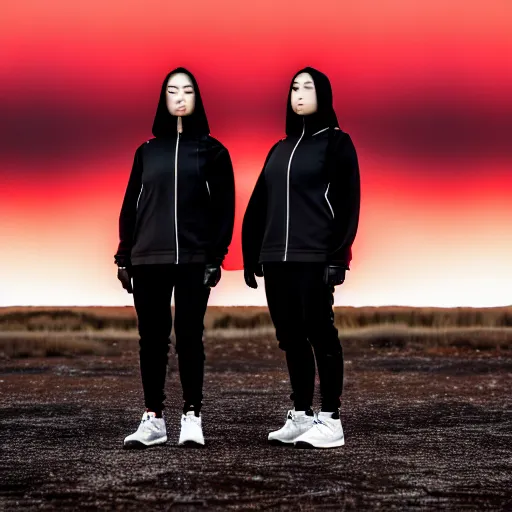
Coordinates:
[288,192]
[208,188]
[138,198]
[176,198]
[327,199]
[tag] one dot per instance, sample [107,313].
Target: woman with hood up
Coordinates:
[175,227]
[297,232]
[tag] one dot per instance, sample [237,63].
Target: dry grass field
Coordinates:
[111,331]
[124,318]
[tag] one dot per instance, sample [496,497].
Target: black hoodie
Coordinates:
[180,200]
[305,205]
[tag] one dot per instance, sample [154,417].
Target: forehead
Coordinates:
[303,77]
[179,80]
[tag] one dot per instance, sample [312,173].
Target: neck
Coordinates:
[313,123]
[180,125]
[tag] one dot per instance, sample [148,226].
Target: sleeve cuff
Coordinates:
[122,261]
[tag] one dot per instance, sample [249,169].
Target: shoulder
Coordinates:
[340,135]
[146,144]
[271,150]
[213,144]
[274,146]
[341,140]
[215,150]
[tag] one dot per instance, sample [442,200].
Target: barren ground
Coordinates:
[423,432]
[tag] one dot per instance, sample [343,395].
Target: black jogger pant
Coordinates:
[152,291]
[300,305]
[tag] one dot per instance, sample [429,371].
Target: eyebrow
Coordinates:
[176,87]
[308,82]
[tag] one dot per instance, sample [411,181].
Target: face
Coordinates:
[303,97]
[180,95]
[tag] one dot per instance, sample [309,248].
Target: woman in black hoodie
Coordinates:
[175,227]
[298,230]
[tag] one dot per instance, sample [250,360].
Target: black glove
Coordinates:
[334,275]
[125,276]
[212,275]
[250,273]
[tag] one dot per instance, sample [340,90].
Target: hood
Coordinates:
[324,117]
[166,125]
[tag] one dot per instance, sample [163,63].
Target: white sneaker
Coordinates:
[326,432]
[297,422]
[191,430]
[151,432]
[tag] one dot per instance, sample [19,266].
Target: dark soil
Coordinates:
[423,432]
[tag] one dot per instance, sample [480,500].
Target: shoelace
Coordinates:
[318,423]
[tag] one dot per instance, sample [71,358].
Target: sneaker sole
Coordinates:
[191,444]
[277,442]
[138,445]
[305,445]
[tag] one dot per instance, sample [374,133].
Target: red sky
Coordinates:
[423,88]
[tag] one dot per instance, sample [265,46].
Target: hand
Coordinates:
[334,275]
[212,275]
[123,274]
[250,273]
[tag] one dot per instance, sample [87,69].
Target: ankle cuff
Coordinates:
[334,415]
[192,407]
[307,410]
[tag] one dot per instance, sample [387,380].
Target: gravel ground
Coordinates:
[423,432]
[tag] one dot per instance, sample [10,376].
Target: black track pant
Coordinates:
[152,291]
[300,305]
